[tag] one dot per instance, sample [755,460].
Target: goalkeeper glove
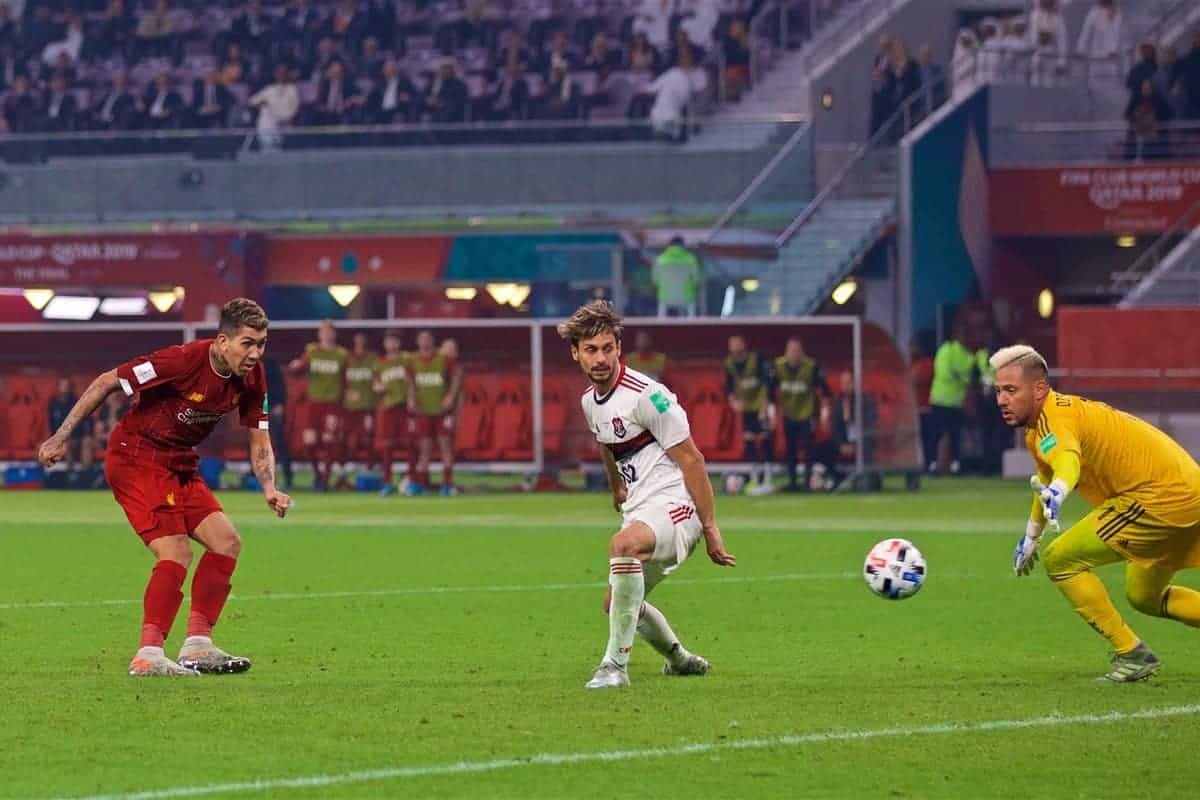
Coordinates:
[1052,498]
[1026,555]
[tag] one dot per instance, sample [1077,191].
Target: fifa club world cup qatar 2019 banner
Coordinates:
[1092,200]
[211,266]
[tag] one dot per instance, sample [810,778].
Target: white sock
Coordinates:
[628,588]
[654,628]
[151,652]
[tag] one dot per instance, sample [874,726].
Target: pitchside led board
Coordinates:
[945,211]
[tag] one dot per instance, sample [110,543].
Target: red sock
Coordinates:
[161,602]
[210,588]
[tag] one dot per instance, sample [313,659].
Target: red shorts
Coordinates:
[158,501]
[426,427]
[326,417]
[391,426]
[359,423]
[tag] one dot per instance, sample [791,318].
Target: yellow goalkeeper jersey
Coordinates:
[1120,455]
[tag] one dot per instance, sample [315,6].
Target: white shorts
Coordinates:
[676,529]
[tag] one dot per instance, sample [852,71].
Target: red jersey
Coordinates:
[180,399]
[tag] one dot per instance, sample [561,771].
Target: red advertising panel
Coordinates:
[1092,200]
[211,267]
[364,260]
[1130,341]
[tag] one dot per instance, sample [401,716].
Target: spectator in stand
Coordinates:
[40,29]
[211,101]
[11,65]
[906,83]
[57,112]
[114,35]
[69,44]
[654,20]
[394,99]
[8,26]
[234,67]
[641,57]
[1146,69]
[698,25]
[1170,82]
[673,91]
[1049,41]
[447,99]
[677,277]
[1146,114]
[156,34]
[164,106]
[370,63]
[337,97]
[1100,41]
[990,62]
[507,96]
[601,57]
[277,106]
[882,84]
[297,31]
[736,47]
[1018,54]
[511,48]
[558,52]
[346,25]
[20,107]
[932,82]
[118,109]
[252,29]
[562,100]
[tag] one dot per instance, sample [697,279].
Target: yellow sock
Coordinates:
[1087,596]
[1182,604]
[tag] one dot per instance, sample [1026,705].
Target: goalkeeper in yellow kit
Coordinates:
[1145,495]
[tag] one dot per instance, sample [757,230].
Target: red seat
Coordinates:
[472,440]
[512,431]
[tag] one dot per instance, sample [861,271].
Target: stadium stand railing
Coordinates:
[1074,142]
[1168,271]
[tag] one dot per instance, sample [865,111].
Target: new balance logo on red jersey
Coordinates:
[681,513]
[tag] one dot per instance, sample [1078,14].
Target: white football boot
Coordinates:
[200,654]
[151,662]
[691,665]
[608,676]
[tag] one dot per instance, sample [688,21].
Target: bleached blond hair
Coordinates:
[1030,360]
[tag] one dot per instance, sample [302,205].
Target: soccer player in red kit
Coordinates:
[181,393]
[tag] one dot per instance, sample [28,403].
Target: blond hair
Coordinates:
[591,319]
[1030,360]
[242,312]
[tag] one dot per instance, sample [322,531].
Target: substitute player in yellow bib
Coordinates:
[1145,495]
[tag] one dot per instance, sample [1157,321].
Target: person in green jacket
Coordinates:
[954,368]
[677,277]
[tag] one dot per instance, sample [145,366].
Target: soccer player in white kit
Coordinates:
[659,485]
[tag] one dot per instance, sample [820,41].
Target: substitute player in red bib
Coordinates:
[182,392]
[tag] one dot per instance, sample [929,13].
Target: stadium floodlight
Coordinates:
[163,300]
[844,291]
[750,285]
[1126,241]
[461,292]
[123,306]
[38,298]
[1045,303]
[509,294]
[344,293]
[73,308]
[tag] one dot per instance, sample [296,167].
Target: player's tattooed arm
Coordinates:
[262,458]
[55,448]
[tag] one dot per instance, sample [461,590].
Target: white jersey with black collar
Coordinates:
[638,421]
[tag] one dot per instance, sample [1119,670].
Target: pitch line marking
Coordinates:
[559,759]
[434,590]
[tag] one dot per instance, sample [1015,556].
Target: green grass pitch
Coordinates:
[438,647]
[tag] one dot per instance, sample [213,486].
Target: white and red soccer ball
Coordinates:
[895,569]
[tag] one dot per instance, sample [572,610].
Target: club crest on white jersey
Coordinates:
[638,421]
